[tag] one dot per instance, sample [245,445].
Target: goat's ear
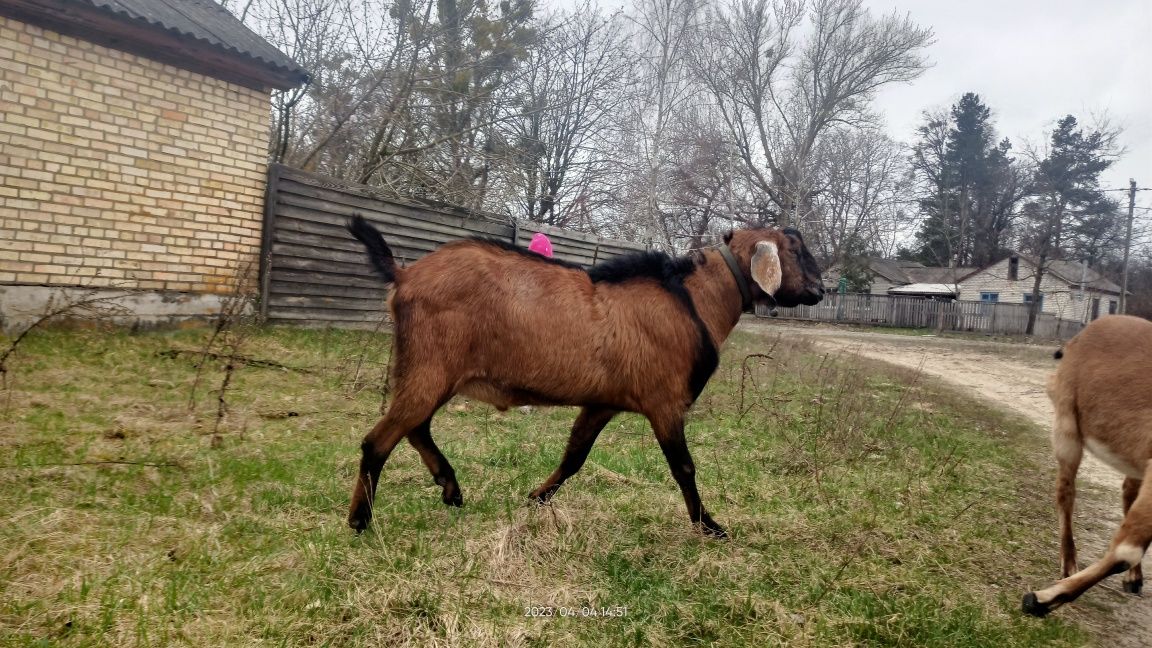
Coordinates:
[766,267]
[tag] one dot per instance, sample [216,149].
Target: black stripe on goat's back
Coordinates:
[524,252]
[670,272]
[642,265]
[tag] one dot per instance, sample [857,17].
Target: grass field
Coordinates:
[865,508]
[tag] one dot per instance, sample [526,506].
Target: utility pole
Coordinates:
[1127,245]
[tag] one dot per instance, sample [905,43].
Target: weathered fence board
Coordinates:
[315,274]
[917,312]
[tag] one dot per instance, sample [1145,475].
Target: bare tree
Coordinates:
[663,125]
[574,86]
[707,191]
[405,93]
[665,31]
[859,199]
[361,55]
[781,95]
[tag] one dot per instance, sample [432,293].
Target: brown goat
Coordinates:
[637,333]
[1102,392]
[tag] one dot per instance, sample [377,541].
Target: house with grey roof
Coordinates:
[134,141]
[1068,290]
[900,277]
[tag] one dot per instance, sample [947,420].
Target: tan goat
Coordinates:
[637,333]
[1102,392]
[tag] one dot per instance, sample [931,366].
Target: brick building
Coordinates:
[133,151]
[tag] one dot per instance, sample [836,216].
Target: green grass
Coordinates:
[865,507]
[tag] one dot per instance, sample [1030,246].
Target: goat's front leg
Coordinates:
[584,433]
[1125,552]
[1134,580]
[670,434]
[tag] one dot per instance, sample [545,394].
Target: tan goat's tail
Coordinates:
[378,252]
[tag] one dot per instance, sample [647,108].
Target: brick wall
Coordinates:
[116,170]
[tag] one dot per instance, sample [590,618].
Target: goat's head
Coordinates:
[782,269]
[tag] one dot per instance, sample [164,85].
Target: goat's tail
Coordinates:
[1059,353]
[378,251]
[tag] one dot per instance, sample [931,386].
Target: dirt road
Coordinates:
[1011,377]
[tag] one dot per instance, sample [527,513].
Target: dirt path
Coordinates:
[1013,378]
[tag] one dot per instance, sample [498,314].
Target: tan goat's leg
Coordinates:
[409,409]
[1127,549]
[1068,450]
[1134,580]
[670,434]
[584,432]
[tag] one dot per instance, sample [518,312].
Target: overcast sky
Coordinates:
[1032,62]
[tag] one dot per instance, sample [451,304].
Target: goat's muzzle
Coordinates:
[812,296]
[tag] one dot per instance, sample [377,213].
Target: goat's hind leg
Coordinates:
[437,463]
[1125,552]
[1134,580]
[1068,450]
[408,411]
[584,433]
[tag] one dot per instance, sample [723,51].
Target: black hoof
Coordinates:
[709,527]
[542,497]
[359,518]
[716,532]
[1133,586]
[453,498]
[1033,607]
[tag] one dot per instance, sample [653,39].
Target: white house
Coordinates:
[1068,290]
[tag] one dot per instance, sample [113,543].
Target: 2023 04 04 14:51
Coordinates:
[586,611]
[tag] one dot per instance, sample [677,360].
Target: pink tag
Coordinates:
[540,244]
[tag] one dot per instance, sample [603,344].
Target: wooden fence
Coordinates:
[917,312]
[315,274]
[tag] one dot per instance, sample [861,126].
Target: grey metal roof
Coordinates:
[202,20]
[902,272]
[1074,272]
[889,269]
[935,275]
